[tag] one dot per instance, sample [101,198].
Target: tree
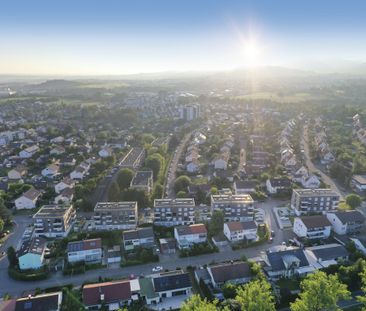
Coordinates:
[136,195]
[196,303]
[12,257]
[158,191]
[256,296]
[217,223]
[361,298]
[155,162]
[114,193]
[182,194]
[320,291]
[1,225]
[214,190]
[70,301]
[124,178]
[4,213]
[353,200]
[181,183]
[229,290]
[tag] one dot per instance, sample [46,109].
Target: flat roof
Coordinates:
[316,192]
[174,202]
[245,198]
[52,211]
[100,206]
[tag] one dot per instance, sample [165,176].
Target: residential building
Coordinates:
[31,253]
[286,263]
[312,227]
[115,215]
[346,222]
[17,173]
[140,237]
[278,185]
[54,221]
[65,197]
[360,244]
[171,284]
[78,173]
[89,251]
[237,231]
[105,152]
[323,256]
[42,302]
[310,182]
[237,273]
[236,207]
[114,295]
[133,158]
[58,150]
[358,182]
[189,112]
[28,199]
[186,236]
[244,186]
[63,184]
[305,201]
[174,212]
[29,152]
[50,171]
[168,246]
[143,180]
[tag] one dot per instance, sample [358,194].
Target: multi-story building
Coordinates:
[238,231]
[189,112]
[236,207]
[174,212]
[143,180]
[54,221]
[305,201]
[115,215]
[89,251]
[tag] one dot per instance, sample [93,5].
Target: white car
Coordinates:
[157,269]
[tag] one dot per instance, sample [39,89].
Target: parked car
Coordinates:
[157,269]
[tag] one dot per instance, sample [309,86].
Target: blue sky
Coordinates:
[119,37]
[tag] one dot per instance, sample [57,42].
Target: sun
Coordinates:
[252,53]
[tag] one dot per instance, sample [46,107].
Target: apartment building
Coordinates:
[305,201]
[54,221]
[236,207]
[115,215]
[174,212]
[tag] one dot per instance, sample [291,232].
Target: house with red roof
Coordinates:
[186,236]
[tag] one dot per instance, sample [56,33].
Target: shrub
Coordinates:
[28,275]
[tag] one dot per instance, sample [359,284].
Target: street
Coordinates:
[326,179]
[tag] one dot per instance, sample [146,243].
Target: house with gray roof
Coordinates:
[346,222]
[140,237]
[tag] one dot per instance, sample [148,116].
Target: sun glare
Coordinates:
[252,53]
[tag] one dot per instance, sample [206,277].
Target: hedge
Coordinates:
[28,275]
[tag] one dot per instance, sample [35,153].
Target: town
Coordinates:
[208,195]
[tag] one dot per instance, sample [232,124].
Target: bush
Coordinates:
[139,256]
[28,275]
[198,249]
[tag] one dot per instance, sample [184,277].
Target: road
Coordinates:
[18,288]
[326,179]
[174,165]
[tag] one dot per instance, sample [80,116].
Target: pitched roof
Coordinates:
[84,245]
[191,229]
[245,184]
[230,271]
[276,259]
[33,246]
[350,216]
[139,233]
[112,291]
[244,225]
[32,194]
[43,302]
[315,221]
[329,252]
[280,182]
[171,282]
